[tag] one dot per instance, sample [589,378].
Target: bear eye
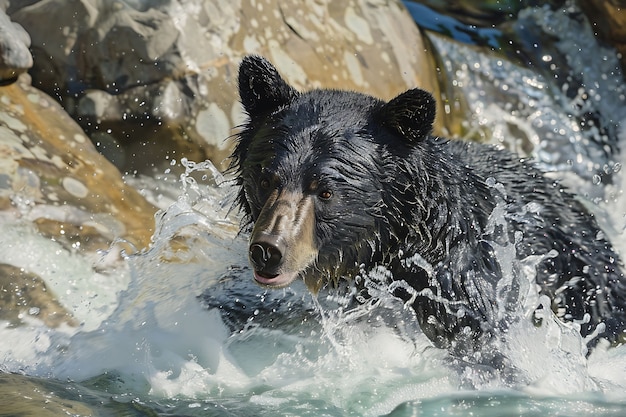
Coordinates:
[325,194]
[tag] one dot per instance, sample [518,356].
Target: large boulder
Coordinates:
[144,77]
[15,57]
[52,175]
[29,396]
[58,191]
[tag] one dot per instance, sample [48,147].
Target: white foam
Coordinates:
[90,296]
[364,359]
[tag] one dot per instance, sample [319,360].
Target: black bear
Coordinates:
[335,182]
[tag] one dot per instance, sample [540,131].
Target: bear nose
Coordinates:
[266,252]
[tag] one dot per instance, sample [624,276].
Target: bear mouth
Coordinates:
[274,280]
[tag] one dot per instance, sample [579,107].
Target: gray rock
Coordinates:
[163,70]
[51,174]
[15,58]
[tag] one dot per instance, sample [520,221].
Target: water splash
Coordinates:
[566,114]
[192,328]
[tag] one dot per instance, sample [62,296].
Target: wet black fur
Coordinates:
[397,191]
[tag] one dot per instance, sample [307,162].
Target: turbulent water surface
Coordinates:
[190,334]
[181,329]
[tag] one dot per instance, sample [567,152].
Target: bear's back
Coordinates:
[580,270]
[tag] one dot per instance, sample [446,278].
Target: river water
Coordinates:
[181,330]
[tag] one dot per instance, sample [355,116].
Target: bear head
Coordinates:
[319,175]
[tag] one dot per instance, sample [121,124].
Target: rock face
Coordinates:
[29,396]
[142,76]
[51,174]
[26,294]
[15,57]
[53,180]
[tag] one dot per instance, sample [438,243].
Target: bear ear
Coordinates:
[411,114]
[261,89]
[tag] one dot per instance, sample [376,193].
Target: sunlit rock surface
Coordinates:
[52,176]
[161,74]
[24,396]
[24,294]
[54,184]
[14,55]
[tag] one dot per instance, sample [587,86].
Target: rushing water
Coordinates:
[190,334]
[181,329]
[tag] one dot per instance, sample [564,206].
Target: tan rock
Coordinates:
[30,397]
[52,175]
[165,74]
[14,55]
[25,294]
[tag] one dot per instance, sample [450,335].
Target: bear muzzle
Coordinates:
[266,256]
[282,240]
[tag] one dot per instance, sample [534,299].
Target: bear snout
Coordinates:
[282,244]
[266,254]
[266,257]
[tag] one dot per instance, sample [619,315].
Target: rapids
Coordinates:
[191,334]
